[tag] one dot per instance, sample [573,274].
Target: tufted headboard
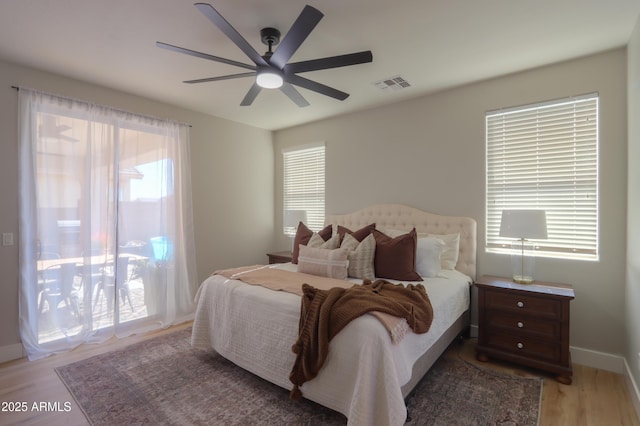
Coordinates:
[401,217]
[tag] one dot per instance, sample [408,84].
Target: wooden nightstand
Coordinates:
[280,257]
[525,323]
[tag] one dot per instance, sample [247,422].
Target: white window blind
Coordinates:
[304,184]
[545,156]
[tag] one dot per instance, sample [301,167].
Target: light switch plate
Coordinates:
[7,239]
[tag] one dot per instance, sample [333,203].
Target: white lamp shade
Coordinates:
[293,217]
[524,224]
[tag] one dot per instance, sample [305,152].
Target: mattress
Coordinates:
[255,327]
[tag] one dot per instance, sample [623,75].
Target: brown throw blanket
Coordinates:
[291,282]
[324,313]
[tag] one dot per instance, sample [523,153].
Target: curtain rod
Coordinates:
[105,106]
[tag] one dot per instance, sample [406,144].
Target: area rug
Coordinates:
[163,381]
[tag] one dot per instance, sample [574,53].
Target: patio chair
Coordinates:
[59,287]
[116,278]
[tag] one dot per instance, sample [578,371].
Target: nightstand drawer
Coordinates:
[525,346]
[520,323]
[522,303]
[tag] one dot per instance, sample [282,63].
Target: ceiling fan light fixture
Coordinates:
[269,79]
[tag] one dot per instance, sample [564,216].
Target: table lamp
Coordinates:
[291,220]
[523,224]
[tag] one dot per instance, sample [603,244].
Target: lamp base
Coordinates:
[522,261]
[520,279]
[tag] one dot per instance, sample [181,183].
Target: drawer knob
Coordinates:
[520,324]
[520,345]
[520,305]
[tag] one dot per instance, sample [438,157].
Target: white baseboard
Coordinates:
[11,352]
[632,386]
[596,359]
[473,330]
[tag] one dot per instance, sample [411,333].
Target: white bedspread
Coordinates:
[362,377]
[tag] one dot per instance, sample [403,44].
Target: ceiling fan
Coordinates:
[272,70]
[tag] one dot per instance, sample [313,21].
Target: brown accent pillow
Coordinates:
[396,257]
[303,235]
[326,232]
[359,235]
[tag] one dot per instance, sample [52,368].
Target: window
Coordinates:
[545,156]
[303,177]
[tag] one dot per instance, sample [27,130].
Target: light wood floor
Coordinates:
[595,398]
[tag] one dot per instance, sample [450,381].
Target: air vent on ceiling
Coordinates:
[394,83]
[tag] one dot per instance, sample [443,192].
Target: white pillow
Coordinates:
[323,262]
[449,257]
[361,256]
[428,256]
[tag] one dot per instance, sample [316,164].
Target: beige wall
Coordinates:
[232,178]
[429,153]
[633,213]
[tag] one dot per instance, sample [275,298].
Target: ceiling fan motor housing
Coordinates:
[270,36]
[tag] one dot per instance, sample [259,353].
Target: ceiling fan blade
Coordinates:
[203,55]
[224,26]
[251,95]
[316,87]
[297,34]
[294,95]
[224,77]
[331,62]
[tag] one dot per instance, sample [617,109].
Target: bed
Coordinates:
[366,377]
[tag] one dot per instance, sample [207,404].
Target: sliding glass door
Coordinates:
[105,245]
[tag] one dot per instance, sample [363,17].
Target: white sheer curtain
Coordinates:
[106,235]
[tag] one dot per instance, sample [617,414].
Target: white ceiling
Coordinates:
[433,44]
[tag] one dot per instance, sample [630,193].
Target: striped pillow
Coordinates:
[323,262]
[361,256]
[316,241]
